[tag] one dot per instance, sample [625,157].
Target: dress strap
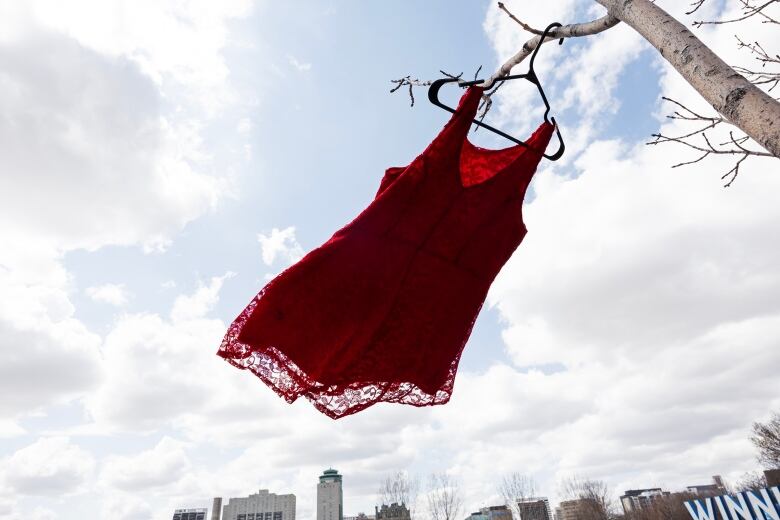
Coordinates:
[534,151]
[451,137]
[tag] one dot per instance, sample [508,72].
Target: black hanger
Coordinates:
[433,96]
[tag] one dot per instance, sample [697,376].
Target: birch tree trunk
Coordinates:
[731,94]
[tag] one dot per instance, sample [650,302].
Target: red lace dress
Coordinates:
[383,309]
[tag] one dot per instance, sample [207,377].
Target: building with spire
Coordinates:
[330,496]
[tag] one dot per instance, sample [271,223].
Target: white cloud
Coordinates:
[172,41]
[10,512]
[198,304]
[164,372]
[46,356]
[51,466]
[9,428]
[154,371]
[95,153]
[110,293]
[42,513]
[92,148]
[244,126]
[161,466]
[280,243]
[298,65]
[126,507]
[6,507]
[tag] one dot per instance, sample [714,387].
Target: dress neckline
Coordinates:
[475,150]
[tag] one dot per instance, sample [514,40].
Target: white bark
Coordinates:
[742,103]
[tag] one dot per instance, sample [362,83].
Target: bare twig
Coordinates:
[733,172]
[516,19]
[408,81]
[760,77]
[766,438]
[695,6]
[734,146]
[400,488]
[750,8]
[445,498]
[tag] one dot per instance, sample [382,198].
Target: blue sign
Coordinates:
[761,504]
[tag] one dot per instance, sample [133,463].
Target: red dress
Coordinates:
[383,309]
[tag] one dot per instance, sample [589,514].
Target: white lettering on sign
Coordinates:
[763,506]
[747,505]
[700,513]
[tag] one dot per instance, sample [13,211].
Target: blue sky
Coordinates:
[157,157]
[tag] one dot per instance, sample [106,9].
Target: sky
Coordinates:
[162,160]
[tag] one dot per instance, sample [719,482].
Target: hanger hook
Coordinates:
[557,155]
[433,96]
[541,41]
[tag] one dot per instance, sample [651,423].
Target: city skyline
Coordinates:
[330,499]
[161,161]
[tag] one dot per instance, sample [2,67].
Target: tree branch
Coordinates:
[567,31]
[738,100]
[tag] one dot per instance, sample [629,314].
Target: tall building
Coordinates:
[260,506]
[704,490]
[492,513]
[573,509]
[190,514]
[534,508]
[216,508]
[392,512]
[772,477]
[635,499]
[708,490]
[330,496]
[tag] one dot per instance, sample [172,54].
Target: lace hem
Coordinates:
[285,378]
